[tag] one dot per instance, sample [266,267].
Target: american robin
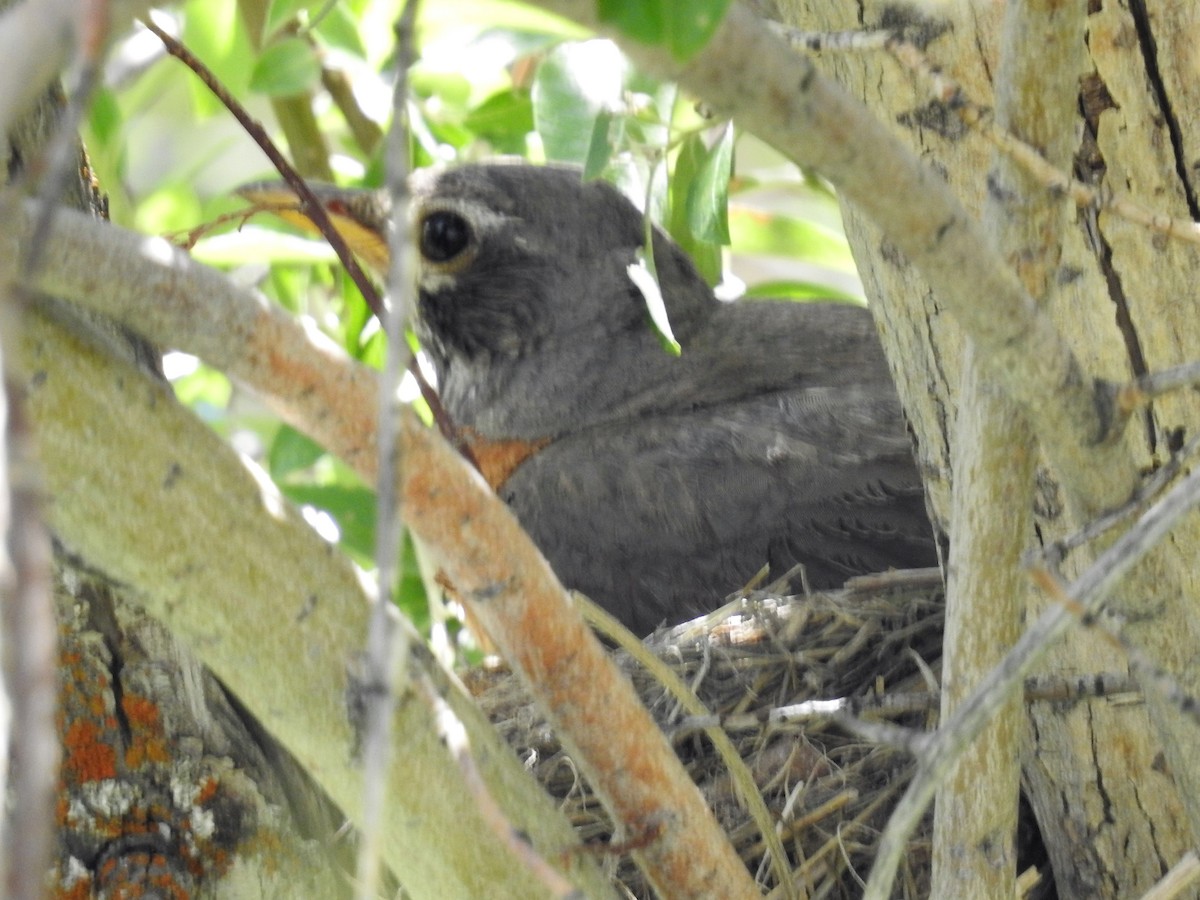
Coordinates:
[656,484]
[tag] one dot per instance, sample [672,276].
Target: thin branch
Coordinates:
[945,90]
[451,730]
[30,663]
[366,131]
[843,709]
[313,208]
[1149,675]
[1040,689]
[310,383]
[387,646]
[1054,689]
[1052,553]
[1154,384]
[1177,882]
[35,39]
[1088,591]
[975,814]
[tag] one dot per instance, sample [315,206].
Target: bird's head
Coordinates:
[524,276]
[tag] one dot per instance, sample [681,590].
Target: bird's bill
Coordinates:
[367,240]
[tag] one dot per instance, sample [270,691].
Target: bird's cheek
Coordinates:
[436,280]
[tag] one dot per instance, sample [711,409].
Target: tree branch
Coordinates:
[975,814]
[1088,592]
[280,618]
[476,539]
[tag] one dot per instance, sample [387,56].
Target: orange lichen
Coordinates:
[207,791]
[96,706]
[81,889]
[113,735]
[140,711]
[87,758]
[147,744]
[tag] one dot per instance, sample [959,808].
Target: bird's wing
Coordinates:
[659,517]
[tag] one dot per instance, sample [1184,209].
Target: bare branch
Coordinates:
[387,645]
[1154,385]
[1182,876]
[1089,590]
[975,816]
[481,548]
[944,89]
[30,663]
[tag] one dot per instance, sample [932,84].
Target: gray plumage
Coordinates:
[776,437]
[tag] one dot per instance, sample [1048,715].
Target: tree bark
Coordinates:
[1095,771]
[163,779]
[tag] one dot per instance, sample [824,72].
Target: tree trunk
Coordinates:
[163,780]
[1094,770]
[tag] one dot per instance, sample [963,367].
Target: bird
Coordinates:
[657,484]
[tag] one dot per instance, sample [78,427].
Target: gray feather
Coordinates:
[776,437]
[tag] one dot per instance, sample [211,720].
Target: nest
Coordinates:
[875,643]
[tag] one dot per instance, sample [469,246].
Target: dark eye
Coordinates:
[444,235]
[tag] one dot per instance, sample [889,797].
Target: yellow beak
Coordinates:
[361,216]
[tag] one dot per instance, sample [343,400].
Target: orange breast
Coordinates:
[499,459]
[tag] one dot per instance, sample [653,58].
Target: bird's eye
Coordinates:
[444,235]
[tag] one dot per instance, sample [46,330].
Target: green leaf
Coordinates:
[574,84]
[504,120]
[205,391]
[340,29]
[708,195]
[170,208]
[291,451]
[410,592]
[800,291]
[351,506]
[290,284]
[451,89]
[600,148]
[213,31]
[104,116]
[354,319]
[282,11]
[705,254]
[644,20]
[286,67]
[683,28]
[255,244]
